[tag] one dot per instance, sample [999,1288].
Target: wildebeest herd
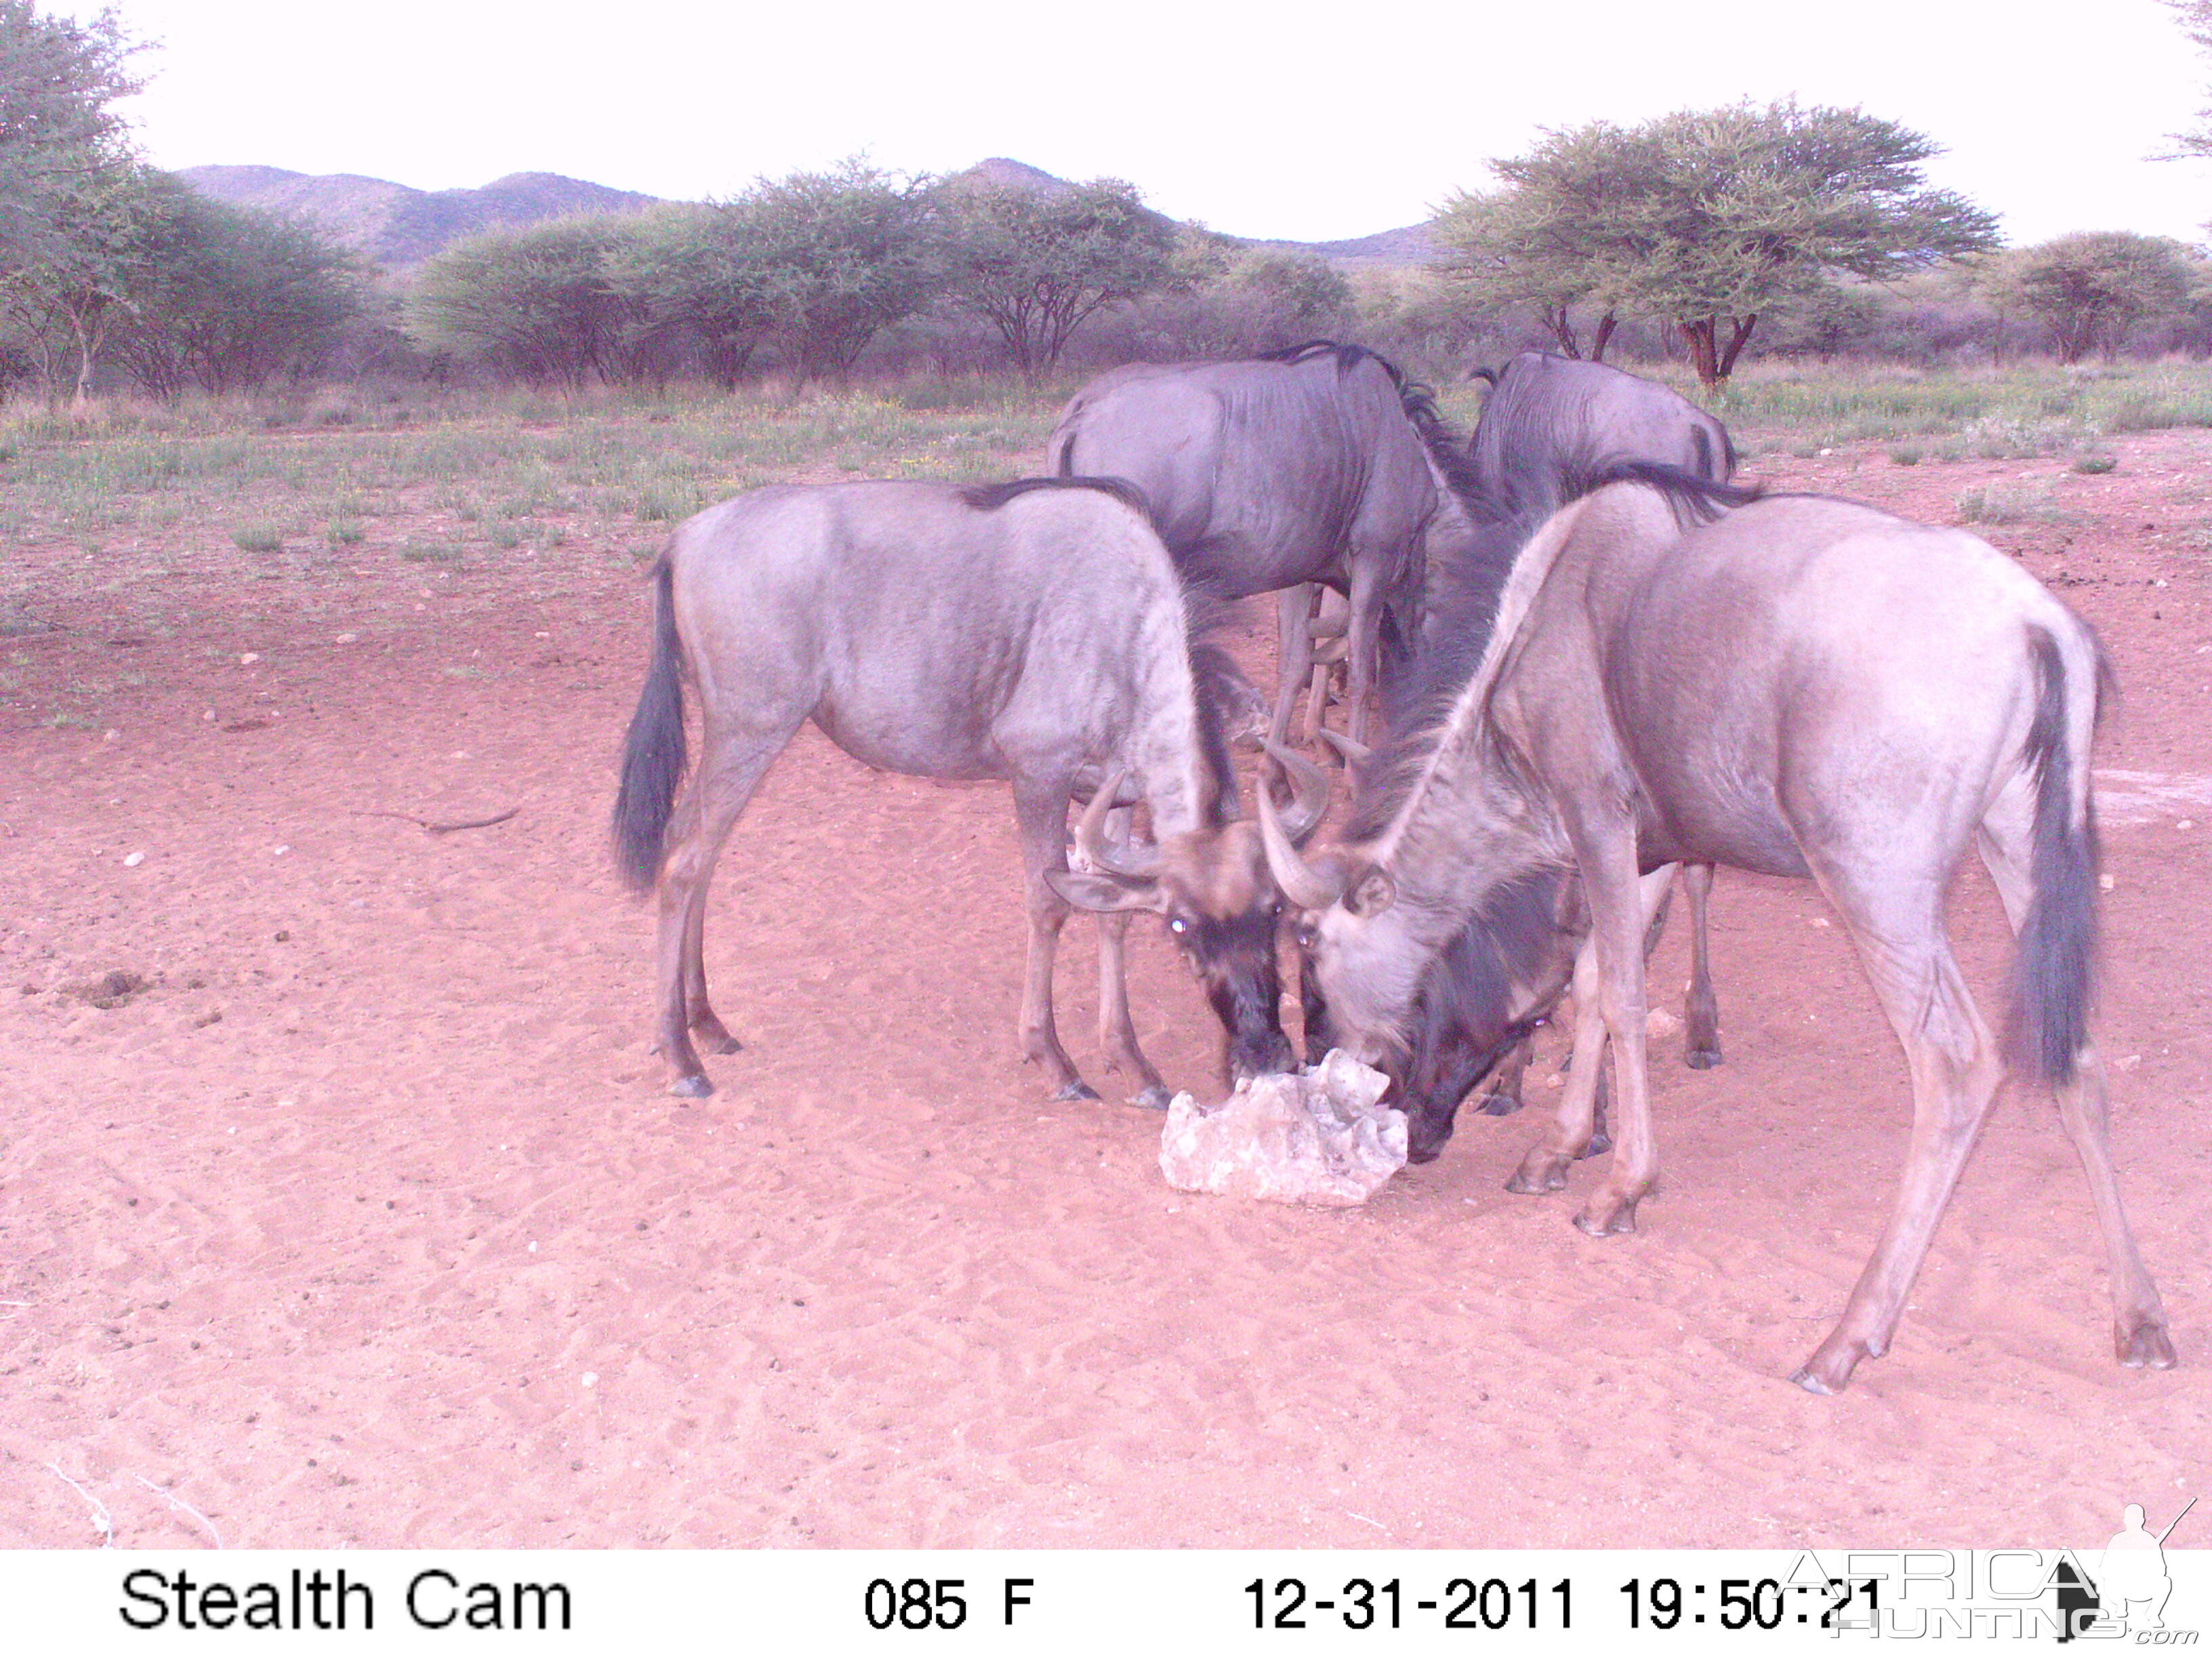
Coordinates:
[1597,662]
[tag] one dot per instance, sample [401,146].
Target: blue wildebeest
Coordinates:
[1551,423]
[1800,687]
[1034,631]
[1549,428]
[1316,464]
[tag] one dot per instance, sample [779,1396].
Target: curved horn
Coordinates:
[1091,837]
[1312,785]
[1303,885]
[1356,753]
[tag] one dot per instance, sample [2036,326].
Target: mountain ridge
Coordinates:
[397,225]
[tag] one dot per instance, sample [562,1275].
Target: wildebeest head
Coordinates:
[1434,1006]
[1212,886]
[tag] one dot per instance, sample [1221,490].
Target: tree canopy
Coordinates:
[2091,287]
[2195,17]
[1036,263]
[536,301]
[58,77]
[846,253]
[1706,216]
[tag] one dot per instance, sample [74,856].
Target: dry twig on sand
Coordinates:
[443,828]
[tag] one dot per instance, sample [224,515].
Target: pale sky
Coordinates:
[1292,120]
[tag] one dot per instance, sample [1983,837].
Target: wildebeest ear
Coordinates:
[1086,891]
[1372,893]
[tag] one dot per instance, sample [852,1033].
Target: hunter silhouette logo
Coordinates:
[2130,1590]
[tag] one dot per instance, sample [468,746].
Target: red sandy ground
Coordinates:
[370,1224]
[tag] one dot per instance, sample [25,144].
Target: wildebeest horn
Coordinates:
[1354,752]
[1312,785]
[1304,886]
[1091,837]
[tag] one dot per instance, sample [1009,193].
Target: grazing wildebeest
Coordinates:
[1800,687]
[1315,464]
[1549,427]
[1034,631]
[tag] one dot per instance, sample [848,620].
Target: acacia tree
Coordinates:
[2092,287]
[537,301]
[2195,17]
[844,254]
[58,134]
[1036,265]
[1541,242]
[700,270]
[1707,219]
[67,299]
[230,297]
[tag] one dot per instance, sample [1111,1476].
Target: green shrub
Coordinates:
[2096,464]
[1905,454]
[259,538]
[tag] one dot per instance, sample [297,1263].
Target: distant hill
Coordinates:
[397,225]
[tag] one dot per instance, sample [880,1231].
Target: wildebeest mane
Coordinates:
[1463,597]
[1214,678]
[1463,601]
[989,498]
[1691,499]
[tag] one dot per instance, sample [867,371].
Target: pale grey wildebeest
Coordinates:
[1316,464]
[1035,631]
[1550,425]
[1799,687]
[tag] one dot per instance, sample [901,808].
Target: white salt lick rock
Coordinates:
[1318,1136]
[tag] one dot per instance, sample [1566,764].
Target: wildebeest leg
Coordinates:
[1322,675]
[730,769]
[1701,1014]
[1361,640]
[1544,1168]
[1117,1032]
[2139,1329]
[1898,927]
[1293,652]
[1040,814]
[2139,1332]
[1622,905]
[1502,1097]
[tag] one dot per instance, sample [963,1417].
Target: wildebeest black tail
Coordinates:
[2054,979]
[654,756]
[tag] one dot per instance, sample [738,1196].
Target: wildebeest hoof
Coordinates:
[1829,1370]
[1075,1089]
[1498,1105]
[1603,1220]
[1153,1099]
[719,1042]
[1541,1172]
[1599,1145]
[1702,1060]
[695,1087]
[2147,1346]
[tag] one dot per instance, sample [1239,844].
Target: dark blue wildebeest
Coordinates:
[1320,464]
[1034,631]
